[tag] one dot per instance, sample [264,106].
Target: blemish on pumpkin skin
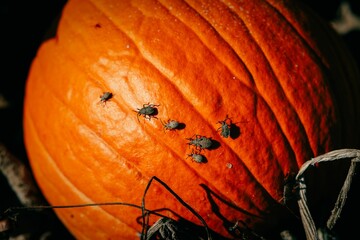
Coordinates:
[69,94]
[229,165]
[97,25]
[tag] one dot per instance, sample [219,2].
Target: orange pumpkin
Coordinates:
[279,73]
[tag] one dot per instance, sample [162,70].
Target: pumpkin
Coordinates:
[278,74]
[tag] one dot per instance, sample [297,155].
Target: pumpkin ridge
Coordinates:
[77,193]
[206,181]
[351,90]
[316,60]
[240,82]
[220,40]
[291,106]
[139,52]
[69,108]
[211,126]
[249,72]
[223,143]
[312,50]
[73,187]
[338,58]
[91,73]
[146,57]
[94,79]
[305,39]
[314,53]
[199,35]
[85,123]
[236,154]
[80,119]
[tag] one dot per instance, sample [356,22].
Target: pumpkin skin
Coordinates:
[279,72]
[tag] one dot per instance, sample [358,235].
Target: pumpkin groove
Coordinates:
[192,90]
[337,60]
[179,154]
[142,64]
[103,196]
[90,127]
[78,195]
[199,64]
[268,62]
[281,92]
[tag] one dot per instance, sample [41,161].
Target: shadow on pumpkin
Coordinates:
[165,224]
[214,145]
[181,126]
[235,131]
[238,229]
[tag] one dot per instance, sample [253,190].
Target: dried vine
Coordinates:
[336,155]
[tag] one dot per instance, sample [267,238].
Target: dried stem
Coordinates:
[308,222]
[347,21]
[340,202]
[19,178]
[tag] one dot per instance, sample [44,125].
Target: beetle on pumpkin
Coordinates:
[106,96]
[170,124]
[196,157]
[225,127]
[148,111]
[200,142]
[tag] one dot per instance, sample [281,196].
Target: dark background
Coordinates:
[24,25]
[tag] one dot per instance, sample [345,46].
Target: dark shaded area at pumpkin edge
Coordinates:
[25,25]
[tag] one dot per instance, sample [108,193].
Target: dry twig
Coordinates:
[308,222]
[19,178]
[347,20]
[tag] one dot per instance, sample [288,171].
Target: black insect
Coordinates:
[148,111]
[200,142]
[106,96]
[196,157]
[225,127]
[170,124]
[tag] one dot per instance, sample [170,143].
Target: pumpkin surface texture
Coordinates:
[101,94]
